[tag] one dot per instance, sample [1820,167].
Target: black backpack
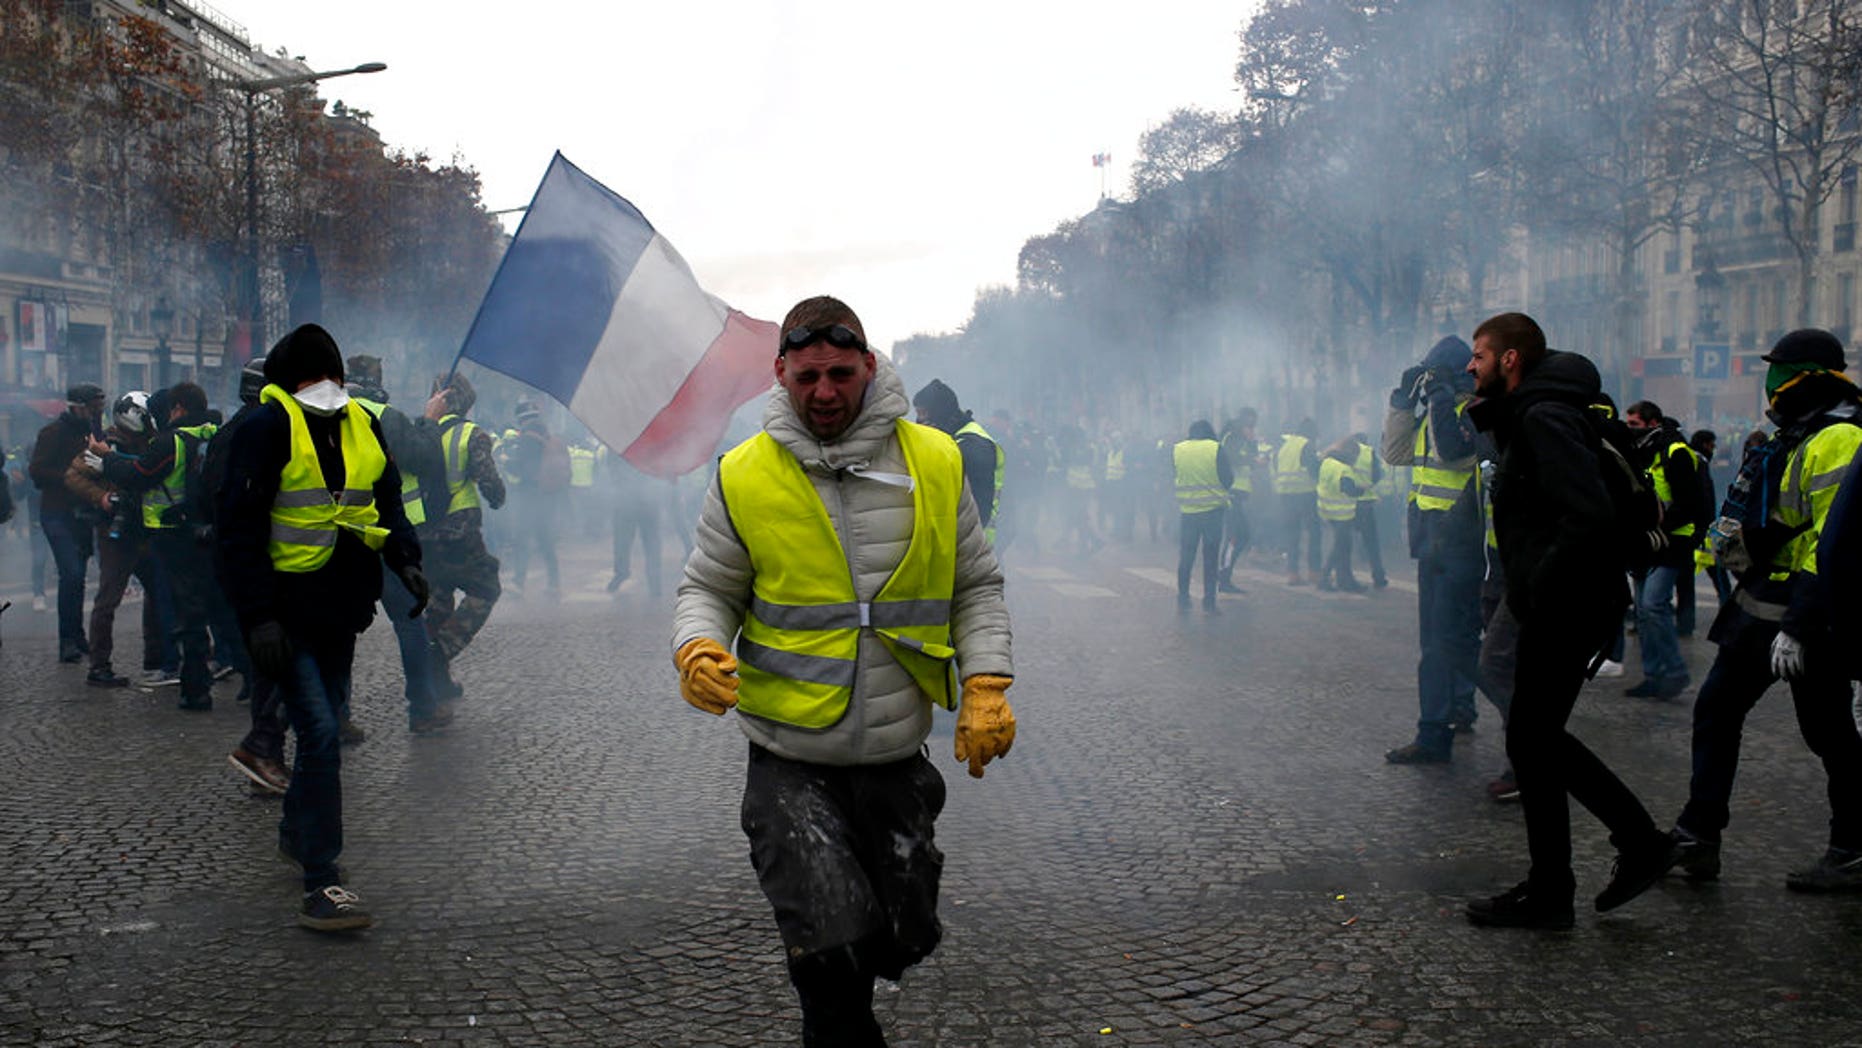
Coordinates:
[1639,534]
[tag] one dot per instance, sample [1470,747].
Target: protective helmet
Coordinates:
[251,380]
[131,413]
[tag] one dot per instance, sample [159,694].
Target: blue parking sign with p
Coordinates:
[1712,360]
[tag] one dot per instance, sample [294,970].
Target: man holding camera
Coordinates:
[1428,430]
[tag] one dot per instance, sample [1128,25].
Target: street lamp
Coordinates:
[162,322]
[253,88]
[1709,293]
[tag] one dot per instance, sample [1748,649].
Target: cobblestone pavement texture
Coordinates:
[1196,840]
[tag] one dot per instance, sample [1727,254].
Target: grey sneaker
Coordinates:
[158,679]
[1837,871]
[334,909]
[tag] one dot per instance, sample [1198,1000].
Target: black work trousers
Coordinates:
[1549,763]
[189,566]
[1741,673]
[1198,530]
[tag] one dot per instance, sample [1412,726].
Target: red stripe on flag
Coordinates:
[737,366]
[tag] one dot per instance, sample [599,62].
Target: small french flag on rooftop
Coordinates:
[592,306]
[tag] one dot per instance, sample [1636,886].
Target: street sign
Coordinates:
[1712,360]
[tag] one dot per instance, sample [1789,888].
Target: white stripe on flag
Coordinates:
[661,325]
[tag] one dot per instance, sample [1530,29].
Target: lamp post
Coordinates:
[1709,294]
[254,88]
[162,323]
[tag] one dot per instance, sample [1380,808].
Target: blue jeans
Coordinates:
[1655,628]
[1448,598]
[416,650]
[312,827]
[71,552]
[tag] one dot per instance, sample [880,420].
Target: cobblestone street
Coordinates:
[1196,839]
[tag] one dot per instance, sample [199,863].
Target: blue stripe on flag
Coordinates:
[550,301]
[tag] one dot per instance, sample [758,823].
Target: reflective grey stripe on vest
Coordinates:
[814,669]
[1758,609]
[1827,479]
[1432,491]
[303,536]
[309,498]
[891,614]
[356,497]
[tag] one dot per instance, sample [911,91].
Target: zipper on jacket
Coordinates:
[856,706]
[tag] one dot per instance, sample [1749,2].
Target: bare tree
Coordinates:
[1775,83]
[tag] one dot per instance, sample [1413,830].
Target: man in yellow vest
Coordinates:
[454,533]
[1785,620]
[1368,473]
[1673,473]
[415,448]
[1296,482]
[1427,429]
[1204,479]
[842,551]
[310,508]
[983,459]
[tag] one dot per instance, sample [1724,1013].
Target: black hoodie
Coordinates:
[1552,512]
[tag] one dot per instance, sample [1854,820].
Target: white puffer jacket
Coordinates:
[889,716]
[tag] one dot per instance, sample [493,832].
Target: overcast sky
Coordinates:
[893,155]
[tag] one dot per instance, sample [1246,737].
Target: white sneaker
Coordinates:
[38,603]
[1610,668]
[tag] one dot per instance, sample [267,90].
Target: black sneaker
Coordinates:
[1634,872]
[202,705]
[106,678]
[1837,871]
[1697,860]
[1645,690]
[1229,587]
[334,909]
[1210,606]
[1414,754]
[351,733]
[1524,907]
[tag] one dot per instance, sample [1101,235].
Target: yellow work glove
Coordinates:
[985,724]
[707,675]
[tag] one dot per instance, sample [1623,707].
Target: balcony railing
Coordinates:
[1742,250]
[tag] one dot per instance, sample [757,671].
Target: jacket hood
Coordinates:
[1569,377]
[1450,352]
[367,390]
[884,405]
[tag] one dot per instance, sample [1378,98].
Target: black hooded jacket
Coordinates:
[1552,511]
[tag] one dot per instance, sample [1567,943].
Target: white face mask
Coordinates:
[324,398]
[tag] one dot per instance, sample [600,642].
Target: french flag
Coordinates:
[592,306]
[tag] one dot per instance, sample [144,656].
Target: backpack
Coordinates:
[553,471]
[1638,512]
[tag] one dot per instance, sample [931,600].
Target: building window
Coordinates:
[1846,301]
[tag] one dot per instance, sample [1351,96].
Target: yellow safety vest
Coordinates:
[1199,484]
[412,503]
[1361,471]
[172,491]
[581,467]
[1812,474]
[305,515]
[1334,504]
[995,496]
[1434,487]
[1658,478]
[1242,462]
[798,653]
[1290,477]
[455,442]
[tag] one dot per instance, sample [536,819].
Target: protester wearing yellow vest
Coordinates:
[842,552]
[160,475]
[1780,623]
[1296,478]
[310,507]
[454,534]
[1368,473]
[1427,430]
[1242,450]
[983,459]
[1673,472]
[415,448]
[1204,478]
[1337,492]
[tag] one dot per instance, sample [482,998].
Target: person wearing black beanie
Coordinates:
[937,406]
[310,509]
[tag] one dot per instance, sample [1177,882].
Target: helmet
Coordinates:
[251,380]
[131,412]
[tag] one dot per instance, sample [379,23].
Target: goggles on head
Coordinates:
[840,336]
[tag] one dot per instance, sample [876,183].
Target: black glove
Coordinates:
[270,650]
[416,584]
[1407,391]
